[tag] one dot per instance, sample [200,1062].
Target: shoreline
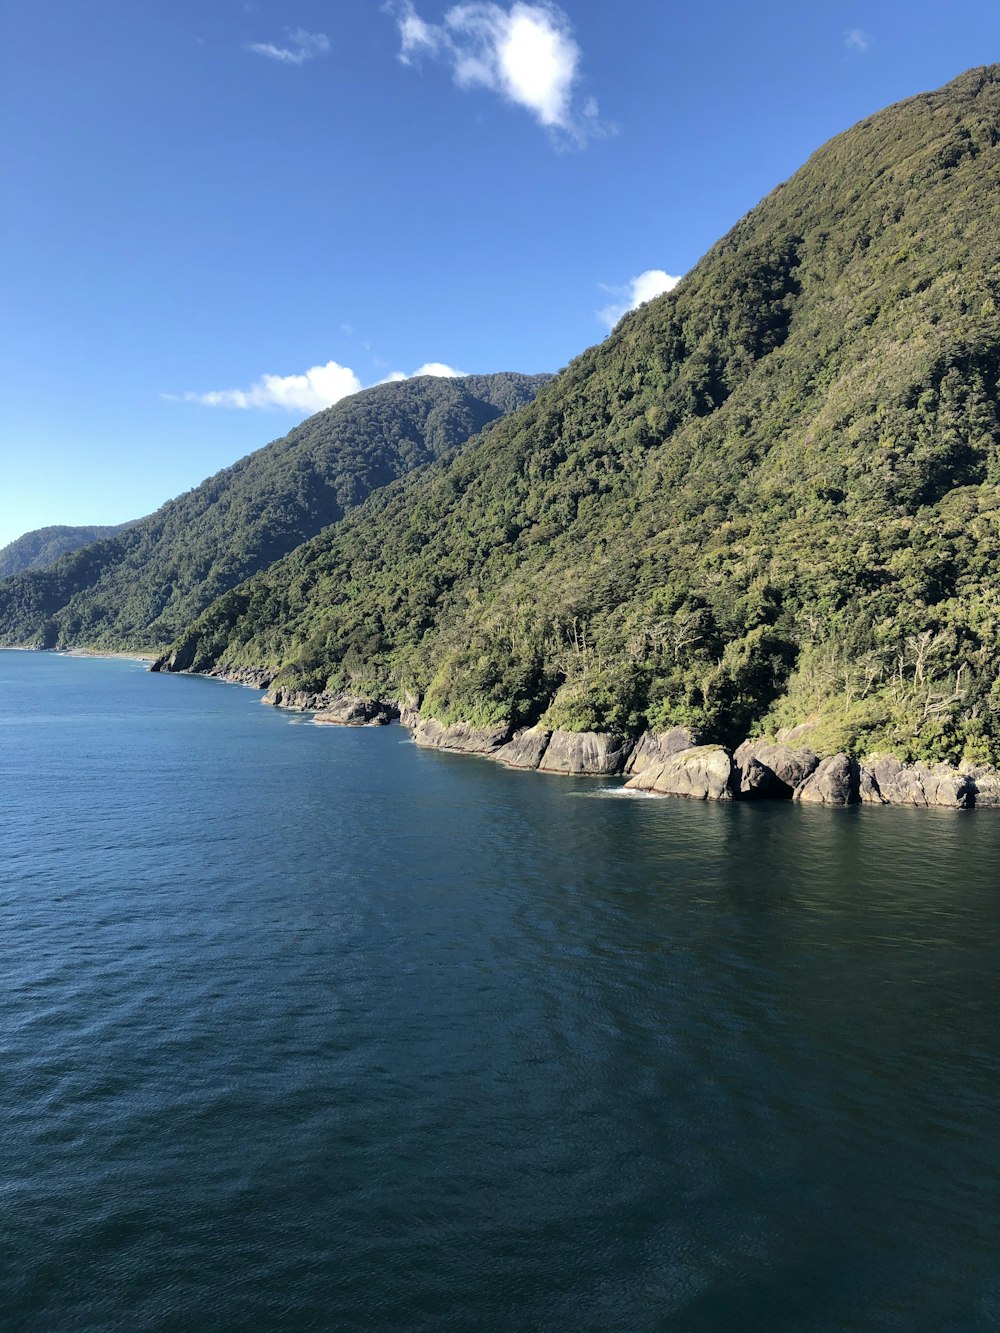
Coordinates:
[677,762]
[96,652]
[670,763]
[77,652]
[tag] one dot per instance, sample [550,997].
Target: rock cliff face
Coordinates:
[460,737]
[772,770]
[703,772]
[585,753]
[299,701]
[885,781]
[525,748]
[654,747]
[834,781]
[986,787]
[259,677]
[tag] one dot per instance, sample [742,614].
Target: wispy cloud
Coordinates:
[856,39]
[643,287]
[302,46]
[318,387]
[527,54]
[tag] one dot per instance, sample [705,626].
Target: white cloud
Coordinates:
[857,40]
[319,387]
[428,368]
[302,46]
[527,54]
[431,368]
[643,287]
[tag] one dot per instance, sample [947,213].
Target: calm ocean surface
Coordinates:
[305,1028]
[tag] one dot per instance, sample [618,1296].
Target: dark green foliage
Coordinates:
[771,496]
[138,589]
[44,546]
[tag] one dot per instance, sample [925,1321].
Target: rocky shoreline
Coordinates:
[670,763]
[675,763]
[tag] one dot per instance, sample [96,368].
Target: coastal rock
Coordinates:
[258,678]
[756,779]
[459,736]
[985,783]
[789,768]
[868,789]
[653,747]
[886,781]
[300,701]
[351,711]
[525,748]
[585,753]
[183,660]
[409,709]
[179,660]
[833,782]
[703,772]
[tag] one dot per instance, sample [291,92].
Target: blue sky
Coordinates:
[206,201]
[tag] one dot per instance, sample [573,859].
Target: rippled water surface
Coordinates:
[305,1028]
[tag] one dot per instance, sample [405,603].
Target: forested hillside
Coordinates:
[138,589]
[770,496]
[44,546]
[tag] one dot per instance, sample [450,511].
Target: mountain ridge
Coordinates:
[771,496]
[136,590]
[42,547]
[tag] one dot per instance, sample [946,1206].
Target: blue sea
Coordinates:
[306,1028]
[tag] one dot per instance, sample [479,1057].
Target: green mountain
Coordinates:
[768,497]
[44,546]
[138,589]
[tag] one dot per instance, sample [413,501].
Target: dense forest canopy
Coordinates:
[138,589]
[770,496]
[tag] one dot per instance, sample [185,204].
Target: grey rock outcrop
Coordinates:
[868,791]
[525,748]
[182,661]
[833,782]
[299,701]
[703,772]
[788,768]
[179,660]
[459,736]
[987,793]
[887,781]
[409,710]
[653,747]
[757,780]
[350,711]
[985,783]
[258,678]
[585,753]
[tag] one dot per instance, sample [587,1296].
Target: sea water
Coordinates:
[308,1028]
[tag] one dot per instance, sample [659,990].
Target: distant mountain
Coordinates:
[44,546]
[770,497]
[137,589]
